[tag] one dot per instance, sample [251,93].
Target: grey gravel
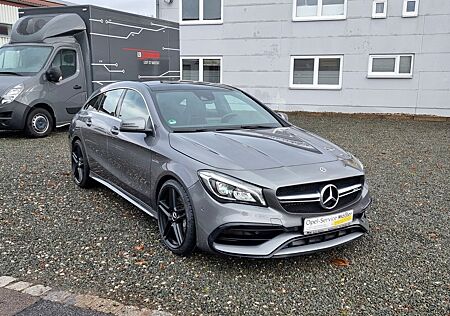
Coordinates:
[90,241]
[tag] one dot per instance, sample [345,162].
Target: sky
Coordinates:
[135,6]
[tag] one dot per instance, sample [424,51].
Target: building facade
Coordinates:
[9,14]
[370,56]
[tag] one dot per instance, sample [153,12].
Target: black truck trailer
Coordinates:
[58,56]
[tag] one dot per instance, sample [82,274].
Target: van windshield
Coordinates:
[23,60]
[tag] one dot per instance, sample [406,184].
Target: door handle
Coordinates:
[77,87]
[115,130]
[88,121]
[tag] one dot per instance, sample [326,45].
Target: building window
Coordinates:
[379,10]
[201,11]
[316,72]
[207,69]
[5,30]
[307,10]
[410,8]
[391,66]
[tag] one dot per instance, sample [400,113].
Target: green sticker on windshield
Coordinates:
[172,122]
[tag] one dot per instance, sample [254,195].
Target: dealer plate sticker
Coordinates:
[326,223]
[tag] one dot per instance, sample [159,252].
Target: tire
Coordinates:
[39,123]
[176,220]
[80,166]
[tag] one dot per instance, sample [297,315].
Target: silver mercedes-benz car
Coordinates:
[219,170]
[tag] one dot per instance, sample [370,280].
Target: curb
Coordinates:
[91,302]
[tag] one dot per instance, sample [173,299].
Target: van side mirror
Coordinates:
[54,74]
[283,115]
[135,125]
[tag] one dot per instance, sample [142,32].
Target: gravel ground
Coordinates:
[92,241]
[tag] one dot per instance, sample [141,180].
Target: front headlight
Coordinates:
[228,189]
[354,162]
[12,94]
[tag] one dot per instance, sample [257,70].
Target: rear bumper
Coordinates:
[13,116]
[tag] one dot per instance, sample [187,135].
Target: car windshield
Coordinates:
[211,109]
[23,60]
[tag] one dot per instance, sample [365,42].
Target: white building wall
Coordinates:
[258,37]
[8,16]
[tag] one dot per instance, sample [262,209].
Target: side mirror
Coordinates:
[135,125]
[54,74]
[283,115]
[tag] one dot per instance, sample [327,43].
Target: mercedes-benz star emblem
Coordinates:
[329,197]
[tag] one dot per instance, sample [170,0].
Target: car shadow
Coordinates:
[22,135]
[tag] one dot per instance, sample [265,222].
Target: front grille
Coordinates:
[305,198]
[248,235]
[314,239]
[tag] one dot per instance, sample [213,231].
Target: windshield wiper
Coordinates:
[257,126]
[10,73]
[193,130]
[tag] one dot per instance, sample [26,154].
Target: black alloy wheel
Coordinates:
[176,218]
[80,167]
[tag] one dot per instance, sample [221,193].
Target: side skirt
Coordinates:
[139,204]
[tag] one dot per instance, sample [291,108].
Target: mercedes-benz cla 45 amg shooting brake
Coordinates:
[219,170]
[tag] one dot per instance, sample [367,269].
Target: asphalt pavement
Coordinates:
[94,242]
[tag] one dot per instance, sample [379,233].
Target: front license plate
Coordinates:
[326,223]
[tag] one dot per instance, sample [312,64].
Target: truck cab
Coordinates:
[58,56]
[42,75]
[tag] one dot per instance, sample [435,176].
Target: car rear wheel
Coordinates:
[39,123]
[80,167]
[176,218]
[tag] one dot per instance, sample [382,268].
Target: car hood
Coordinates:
[7,82]
[256,149]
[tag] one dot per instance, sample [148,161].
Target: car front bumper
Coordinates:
[282,232]
[13,116]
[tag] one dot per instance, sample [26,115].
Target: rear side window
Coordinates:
[110,101]
[93,103]
[133,106]
[66,60]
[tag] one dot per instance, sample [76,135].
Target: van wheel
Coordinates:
[39,123]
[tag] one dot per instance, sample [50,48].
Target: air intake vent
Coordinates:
[31,25]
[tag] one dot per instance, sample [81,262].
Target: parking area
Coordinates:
[93,241]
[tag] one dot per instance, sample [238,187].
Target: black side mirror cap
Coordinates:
[54,74]
[135,125]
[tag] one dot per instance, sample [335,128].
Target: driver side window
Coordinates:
[133,106]
[66,60]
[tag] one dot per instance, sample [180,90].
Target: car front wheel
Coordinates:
[176,218]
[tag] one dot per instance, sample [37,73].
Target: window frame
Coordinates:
[407,14]
[319,16]
[390,75]
[376,15]
[119,102]
[201,19]
[315,85]
[200,66]
[77,60]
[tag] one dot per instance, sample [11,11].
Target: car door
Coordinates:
[69,94]
[99,120]
[131,151]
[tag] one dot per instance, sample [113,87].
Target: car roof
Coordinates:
[184,85]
